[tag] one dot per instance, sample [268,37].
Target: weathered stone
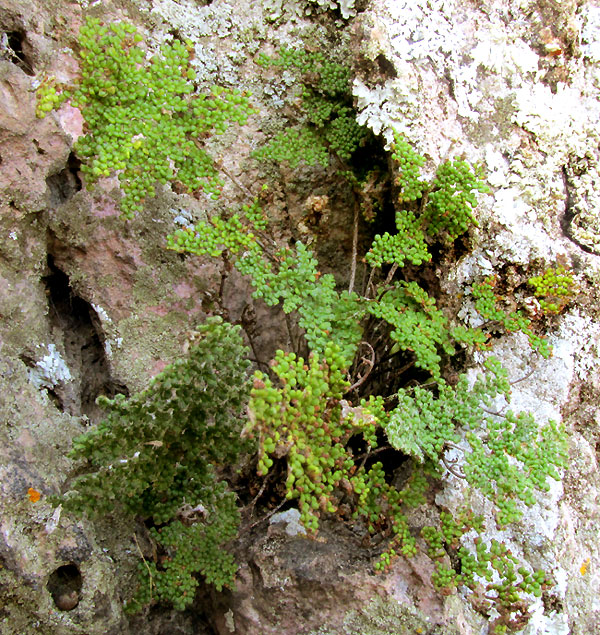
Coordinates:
[510,83]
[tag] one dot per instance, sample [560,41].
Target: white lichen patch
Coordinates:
[578,344]
[110,331]
[230,621]
[102,314]
[227,34]
[590,32]
[565,127]
[552,624]
[51,370]
[291,518]
[197,20]
[346,7]
[206,26]
[465,72]
[382,108]
[553,117]
[435,38]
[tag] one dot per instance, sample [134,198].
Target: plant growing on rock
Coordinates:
[489,306]
[554,289]
[320,410]
[144,118]
[157,455]
[329,127]
[308,410]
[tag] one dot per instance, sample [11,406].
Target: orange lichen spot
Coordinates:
[34,495]
[584,567]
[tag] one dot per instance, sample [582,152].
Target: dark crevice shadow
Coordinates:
[18,50]
[64,585]
[75,324]
[64,184]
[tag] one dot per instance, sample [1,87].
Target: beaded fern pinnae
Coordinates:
[158,454]
[302,411]
[554,289]
[144,118]
[327,123]
[446,208]
[285,275]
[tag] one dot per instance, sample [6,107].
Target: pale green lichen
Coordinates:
[383,616]
[346,7]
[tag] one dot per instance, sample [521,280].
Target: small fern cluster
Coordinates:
[446,209]
[489,306]
[554,289]
[144,118]
[490,564]
[301,411]
[157,455]
[330,125]
[289,276]
[303,417]
[508,455]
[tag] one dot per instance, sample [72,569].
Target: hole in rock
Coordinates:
[176,33]
[373,195]
[75,323]
[65,183]
[38,147]
[386,68]
[55,398]
[360,6]
[17,46]
[391,460]
[64,585]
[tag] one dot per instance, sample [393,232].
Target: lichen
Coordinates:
[50,370]
[383,616]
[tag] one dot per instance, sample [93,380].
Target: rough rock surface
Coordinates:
[514,85]
[93,305]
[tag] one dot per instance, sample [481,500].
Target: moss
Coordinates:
[15,609]
[151,286]
[497,125]
[23,310]
[39,437]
